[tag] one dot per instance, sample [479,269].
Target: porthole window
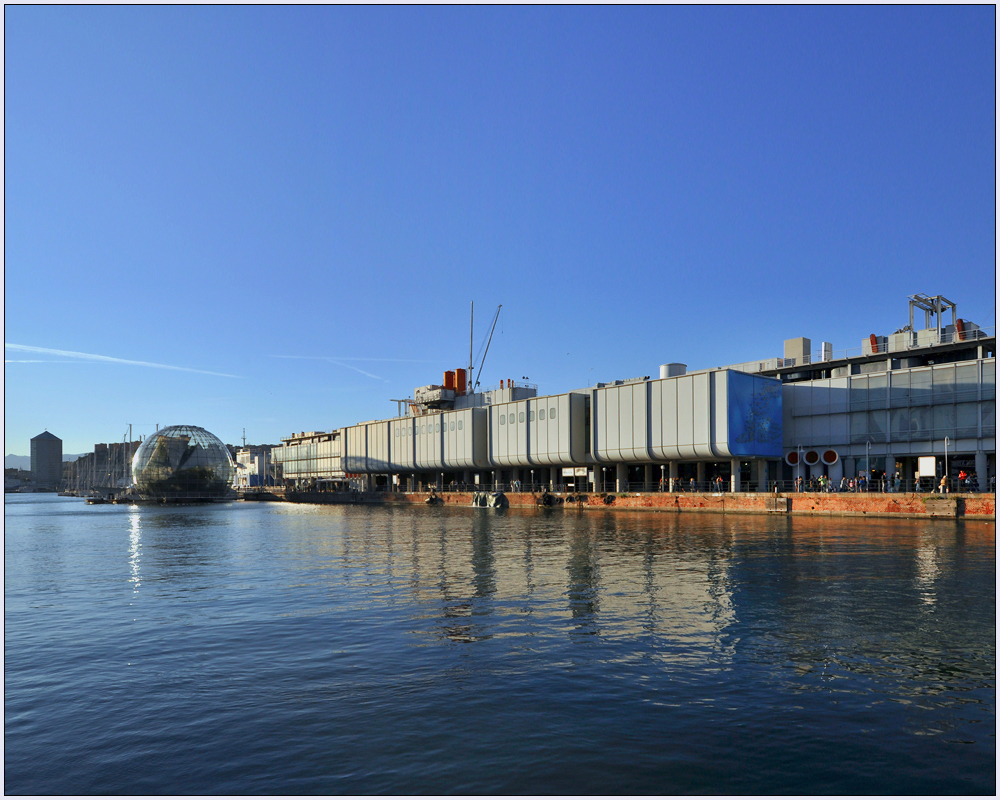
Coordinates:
[552,413]
[531,416]
[503,419]
[437,427]
[541,413]
[460,424]
[397,433]
[520,417]
[510,418]
[451,427]
[423,429]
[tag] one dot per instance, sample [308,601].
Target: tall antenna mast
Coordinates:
[472,308]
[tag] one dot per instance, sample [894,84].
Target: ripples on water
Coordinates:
[272,648]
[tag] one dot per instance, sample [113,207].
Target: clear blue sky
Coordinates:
[304,201]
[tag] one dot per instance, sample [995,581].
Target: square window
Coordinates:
[510,418]
[552,413]
[520,417]
[531,416]
[541,413]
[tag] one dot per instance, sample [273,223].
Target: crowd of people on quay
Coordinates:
[968,482]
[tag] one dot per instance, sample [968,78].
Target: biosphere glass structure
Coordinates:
[183,462]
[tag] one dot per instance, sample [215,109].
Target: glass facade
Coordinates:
[183,462]
[313,457]
[920,404]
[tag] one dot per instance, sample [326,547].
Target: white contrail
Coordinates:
[351,358]
[339,363]
[348,366]
[26,348]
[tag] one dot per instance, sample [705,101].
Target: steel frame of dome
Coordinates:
[183,463]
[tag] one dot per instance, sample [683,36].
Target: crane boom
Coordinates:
[479,372]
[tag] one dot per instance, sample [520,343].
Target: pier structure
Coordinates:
[900,412]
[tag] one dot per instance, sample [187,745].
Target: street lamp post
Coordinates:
[946,462]
[799,470]
[868,465]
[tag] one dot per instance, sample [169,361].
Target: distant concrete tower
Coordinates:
[46,460]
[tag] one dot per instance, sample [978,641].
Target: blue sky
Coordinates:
[292,208]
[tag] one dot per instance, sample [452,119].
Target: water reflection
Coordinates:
[583,580]
[927,569]
[361,649]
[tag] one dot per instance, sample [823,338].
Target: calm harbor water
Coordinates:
[274,648]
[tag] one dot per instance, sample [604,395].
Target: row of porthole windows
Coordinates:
[531,416]
[504,418]
[435,428]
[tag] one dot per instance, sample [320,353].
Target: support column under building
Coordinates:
[762,475]
[621,477]
[647,478]
[982,467]
[734,477]
[909,467]
[672,473]
[700,475]
[850,468]
[889,470]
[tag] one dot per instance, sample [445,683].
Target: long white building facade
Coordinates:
[912,394]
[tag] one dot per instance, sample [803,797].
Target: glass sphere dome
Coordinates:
[183,462]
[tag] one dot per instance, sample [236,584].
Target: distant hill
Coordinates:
[24,462]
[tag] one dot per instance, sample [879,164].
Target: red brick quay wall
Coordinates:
[870,504]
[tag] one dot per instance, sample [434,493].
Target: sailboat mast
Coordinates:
[472,308]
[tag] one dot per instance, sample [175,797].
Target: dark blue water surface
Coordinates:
[275,648]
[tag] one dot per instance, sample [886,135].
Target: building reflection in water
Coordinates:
[928,569]
[515,573]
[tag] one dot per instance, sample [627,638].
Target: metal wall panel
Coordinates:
[402,445]
[464,448]
[701,399]
[510,444]
[720,414]
[640,420]
[378,447]
[428,449]
[610,428]
[356,449]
